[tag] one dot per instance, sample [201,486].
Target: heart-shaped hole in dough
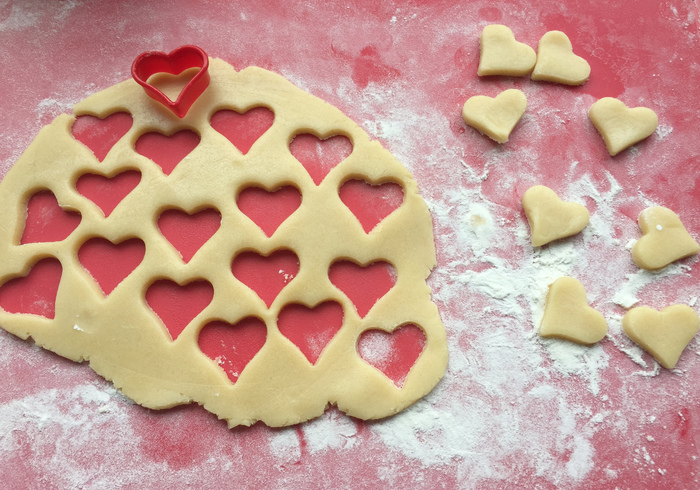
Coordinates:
[311,329]
[109,263]
[363,285]
[320,155]
[551,218]
[33,293]
[393,353]
[663,334]
[568,316]
[267,275]
[495,116]
[47,221]
[232,346]
[371,203]
[100,135]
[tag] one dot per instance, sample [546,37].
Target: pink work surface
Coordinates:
[513,410]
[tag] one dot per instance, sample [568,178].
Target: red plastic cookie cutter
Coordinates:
[178,60]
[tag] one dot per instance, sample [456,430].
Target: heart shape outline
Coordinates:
[568,316]
[550,218]
[175,62]
[664,334]
[320,154]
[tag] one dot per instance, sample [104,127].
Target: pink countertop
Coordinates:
[512,410]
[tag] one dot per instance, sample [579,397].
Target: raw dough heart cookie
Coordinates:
[551,218]
[620,126]
[568,316]
[663,334]
[501,54]
[664,239]
[556,61]
[194,319]
[495,117]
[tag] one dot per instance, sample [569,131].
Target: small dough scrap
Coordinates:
[501,54]
[568,316]
[664,239]
[620,126]
[663,334]
[556,61]
[551,218]
[495,117]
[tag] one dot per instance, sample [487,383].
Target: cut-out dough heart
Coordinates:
[664,239]
[568,316]
[556,61]
[46,220]
[663,334]
[495,117]
[620,126]
[501,54]
[551,218]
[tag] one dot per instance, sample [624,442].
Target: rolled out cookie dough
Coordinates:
[501,54]
[127,343]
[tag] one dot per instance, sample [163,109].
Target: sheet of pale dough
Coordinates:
[122,338]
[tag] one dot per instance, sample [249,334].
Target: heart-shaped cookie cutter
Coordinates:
[178,60]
